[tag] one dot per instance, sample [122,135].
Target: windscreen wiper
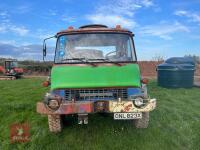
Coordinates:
[82,60]
[107,60]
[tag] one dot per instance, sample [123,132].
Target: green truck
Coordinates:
[95,71]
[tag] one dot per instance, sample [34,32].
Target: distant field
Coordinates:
[175,124]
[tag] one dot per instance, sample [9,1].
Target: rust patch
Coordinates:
[95,30]
[67,108]
[127,108]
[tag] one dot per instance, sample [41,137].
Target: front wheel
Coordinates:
[143,122]
[55,123]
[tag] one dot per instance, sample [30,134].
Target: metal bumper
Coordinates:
[128,106]
[67,108]
[89,107]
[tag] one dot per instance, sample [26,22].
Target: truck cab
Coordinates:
[95,71]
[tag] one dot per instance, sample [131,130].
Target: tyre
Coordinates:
[55,123]
[143,122]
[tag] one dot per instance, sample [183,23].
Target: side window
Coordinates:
[129,49]
[7,65]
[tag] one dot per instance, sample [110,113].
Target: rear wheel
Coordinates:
[143,122]
[55,123]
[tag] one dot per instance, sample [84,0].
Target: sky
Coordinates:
[162,28]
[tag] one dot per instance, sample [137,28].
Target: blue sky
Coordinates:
[161,28]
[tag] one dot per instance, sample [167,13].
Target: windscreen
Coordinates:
[11,64]
[94,47]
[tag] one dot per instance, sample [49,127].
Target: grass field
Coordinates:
[175,124]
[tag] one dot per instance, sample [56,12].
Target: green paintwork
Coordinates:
[94,77]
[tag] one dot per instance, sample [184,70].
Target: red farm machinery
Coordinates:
[10,70]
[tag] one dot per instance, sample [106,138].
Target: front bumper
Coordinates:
[89,107]
[128,106]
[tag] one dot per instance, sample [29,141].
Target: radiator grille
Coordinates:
[95,94]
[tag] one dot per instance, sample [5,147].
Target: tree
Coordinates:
[195,58]
[158,57]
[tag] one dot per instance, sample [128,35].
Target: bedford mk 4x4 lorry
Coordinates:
[95,71]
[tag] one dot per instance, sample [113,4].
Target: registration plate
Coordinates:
[126,116]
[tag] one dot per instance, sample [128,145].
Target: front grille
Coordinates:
[95,94]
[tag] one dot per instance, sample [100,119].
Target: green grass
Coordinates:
[175,124]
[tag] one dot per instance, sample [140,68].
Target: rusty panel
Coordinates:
[67,108]
[95,30]
[128,106]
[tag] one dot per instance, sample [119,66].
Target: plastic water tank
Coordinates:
[176,72]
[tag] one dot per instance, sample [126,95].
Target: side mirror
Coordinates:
[45,47]
[44,50]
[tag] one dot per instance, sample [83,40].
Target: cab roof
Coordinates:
[94,28]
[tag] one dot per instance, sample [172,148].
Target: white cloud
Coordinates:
[180,13]
[22,9]
[111,20]
[7,26]
[4,14]
[11,42]
[19,30]
[121,12]
[2,29]
[190,15]
[123,7]
[22,31]
[147,3]
[163,30]
[4,17]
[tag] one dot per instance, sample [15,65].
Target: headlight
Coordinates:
[138,101]
[53,104]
